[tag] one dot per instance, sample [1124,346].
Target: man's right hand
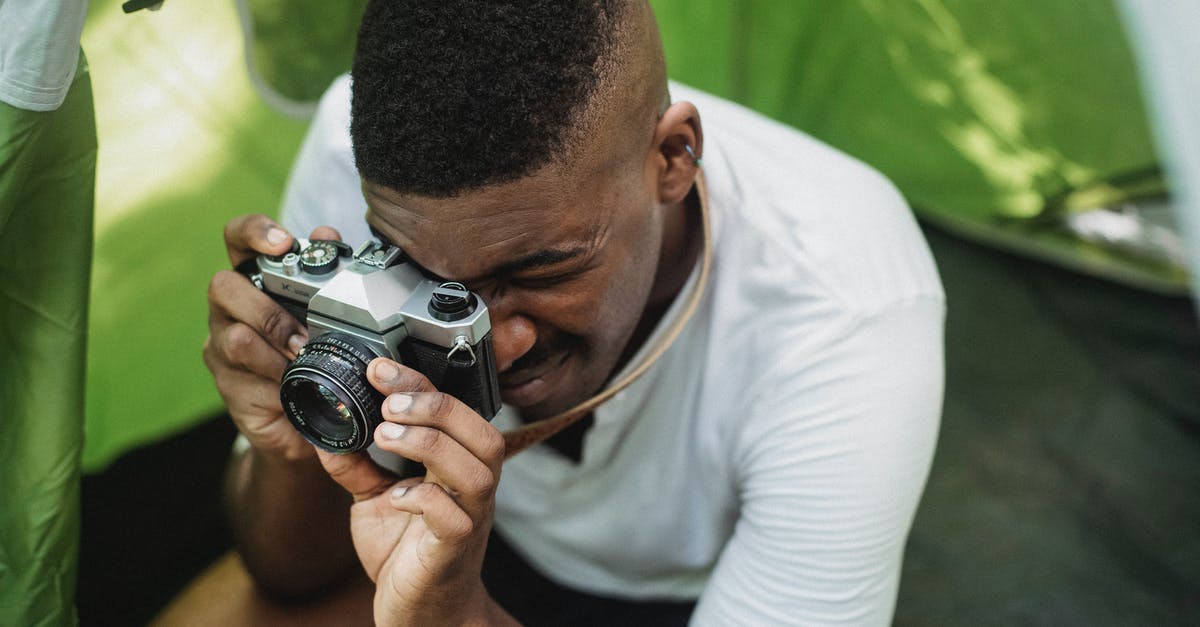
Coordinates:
[251,339]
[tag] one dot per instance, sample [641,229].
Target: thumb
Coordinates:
[325,232]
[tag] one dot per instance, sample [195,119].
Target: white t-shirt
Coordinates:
[771,462]
[39,50]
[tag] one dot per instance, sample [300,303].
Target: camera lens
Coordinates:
[327,414]
[326,395]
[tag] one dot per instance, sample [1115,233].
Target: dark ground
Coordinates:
[1065,491]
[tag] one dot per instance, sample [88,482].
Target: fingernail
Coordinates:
[385,371]
[391,431]
[276,236]
[399,492]
[399,402]
[296,342]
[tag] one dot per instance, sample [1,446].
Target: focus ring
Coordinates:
[336,361]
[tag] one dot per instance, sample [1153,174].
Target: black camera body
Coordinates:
[368,303]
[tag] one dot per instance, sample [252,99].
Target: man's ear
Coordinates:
[678,145]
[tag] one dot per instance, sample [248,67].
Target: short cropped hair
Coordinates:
[454,95]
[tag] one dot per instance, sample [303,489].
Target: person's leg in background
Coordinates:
[47,188]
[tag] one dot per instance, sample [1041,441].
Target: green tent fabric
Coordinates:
[977,109]
[994,119]
[185,145]
[47,176]
[294,54]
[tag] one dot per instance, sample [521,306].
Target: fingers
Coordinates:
[239,347]
[252,338]
[248,236]
[233,300]
[387,376]
[253,402]
[248,394]
[404,386]
[460,449]
[448,462]
[442,515]
[325,232]
[441,432]
[246,325]
[357,474]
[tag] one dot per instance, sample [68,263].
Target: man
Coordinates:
[766,468]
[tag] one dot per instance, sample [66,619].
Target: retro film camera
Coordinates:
[364,304]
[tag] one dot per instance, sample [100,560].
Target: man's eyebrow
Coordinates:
[537,259]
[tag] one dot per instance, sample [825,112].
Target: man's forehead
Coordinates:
[501,206]
[476,235]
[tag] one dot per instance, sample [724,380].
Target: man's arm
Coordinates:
[290,523]
[289,519]
[831,467]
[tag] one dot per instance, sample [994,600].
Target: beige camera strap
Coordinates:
[533,433]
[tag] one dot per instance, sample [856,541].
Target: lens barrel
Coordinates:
[327,397]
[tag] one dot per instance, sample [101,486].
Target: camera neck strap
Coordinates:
[525,436]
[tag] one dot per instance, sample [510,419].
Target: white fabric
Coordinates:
[1164,34]
[771,463]
[39,51]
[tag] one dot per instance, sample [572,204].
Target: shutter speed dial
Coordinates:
[319,258]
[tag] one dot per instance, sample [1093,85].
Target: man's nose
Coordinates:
[512,337]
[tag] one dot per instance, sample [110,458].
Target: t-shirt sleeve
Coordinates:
[39,51]
[831,465]
[323,188]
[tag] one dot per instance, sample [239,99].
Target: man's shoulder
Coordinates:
[774,147]
[793,208]
[333,112]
